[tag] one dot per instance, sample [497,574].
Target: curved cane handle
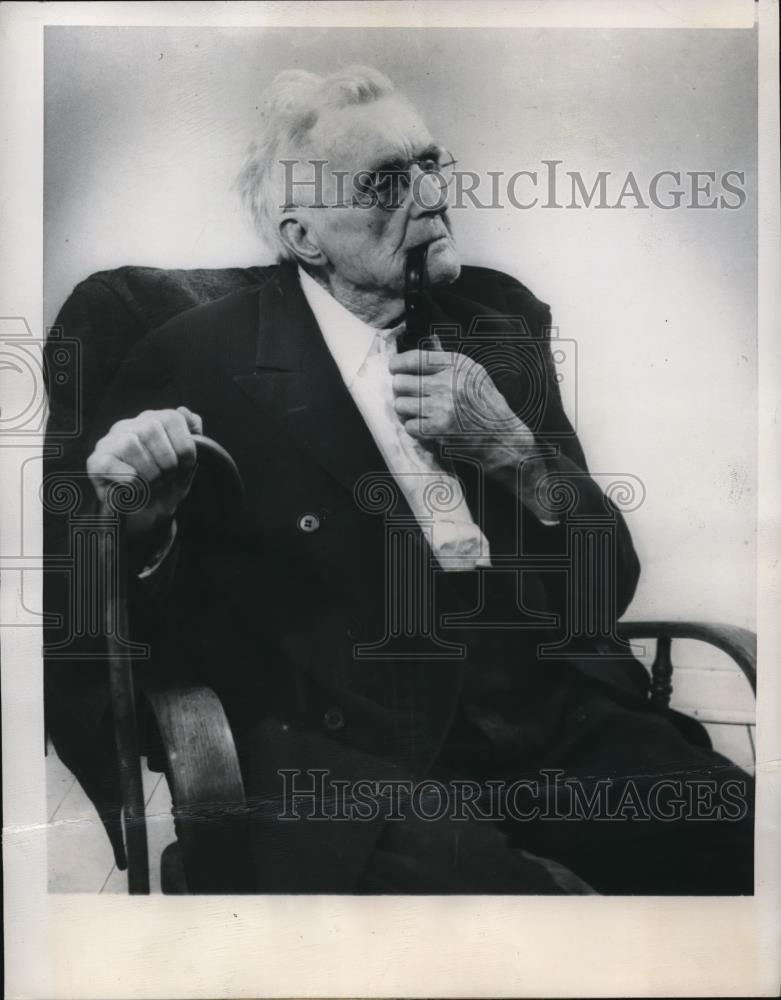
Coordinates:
[213,456]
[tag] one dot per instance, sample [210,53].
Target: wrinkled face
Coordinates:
[367,246]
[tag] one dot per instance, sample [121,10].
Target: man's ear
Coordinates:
[297,237]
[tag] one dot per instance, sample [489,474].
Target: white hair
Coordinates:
[289,109]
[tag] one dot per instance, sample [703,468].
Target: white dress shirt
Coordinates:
[362,355]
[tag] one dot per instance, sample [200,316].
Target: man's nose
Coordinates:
[428,192]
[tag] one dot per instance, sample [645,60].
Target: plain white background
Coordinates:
[145,129]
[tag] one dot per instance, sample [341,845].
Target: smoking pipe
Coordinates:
[415,300]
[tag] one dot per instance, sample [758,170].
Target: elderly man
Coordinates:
[384,611]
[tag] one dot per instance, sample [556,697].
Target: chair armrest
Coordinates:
[738,643]
[207,789]
[203,766]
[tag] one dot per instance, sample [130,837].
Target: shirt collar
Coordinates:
[347,337]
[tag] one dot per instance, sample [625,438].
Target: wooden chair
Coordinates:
[96,327]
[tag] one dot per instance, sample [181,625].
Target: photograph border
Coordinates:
[85,946]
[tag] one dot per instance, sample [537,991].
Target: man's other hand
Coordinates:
[156,447]
[443,396]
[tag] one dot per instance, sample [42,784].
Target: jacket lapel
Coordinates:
[297,383]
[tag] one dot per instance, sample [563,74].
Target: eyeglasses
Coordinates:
[388,187]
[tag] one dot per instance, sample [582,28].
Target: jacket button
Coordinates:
[334,719]
[308,523]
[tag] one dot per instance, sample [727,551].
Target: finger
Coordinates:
[128,448]
[413,427]
[422,362]
[104,469]
[407,406]
[156,441]
[180,437]
[194,422]
[410,385]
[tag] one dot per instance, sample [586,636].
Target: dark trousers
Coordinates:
[630,800]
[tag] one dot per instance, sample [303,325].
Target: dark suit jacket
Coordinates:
[270,615]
